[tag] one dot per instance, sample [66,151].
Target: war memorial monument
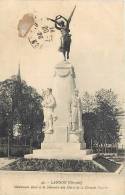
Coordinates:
[64,131]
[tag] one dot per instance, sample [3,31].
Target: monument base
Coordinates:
[59,151]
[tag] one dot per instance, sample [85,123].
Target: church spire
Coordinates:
[19,74]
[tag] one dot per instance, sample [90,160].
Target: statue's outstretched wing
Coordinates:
[70,17]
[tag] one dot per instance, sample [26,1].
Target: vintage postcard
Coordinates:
[62,97]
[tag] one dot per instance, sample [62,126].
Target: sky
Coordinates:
[97,49]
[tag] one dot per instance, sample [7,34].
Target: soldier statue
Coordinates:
[49,104]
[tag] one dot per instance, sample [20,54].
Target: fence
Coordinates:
[108,150]
[14,150]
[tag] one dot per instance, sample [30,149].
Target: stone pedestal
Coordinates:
[63,87]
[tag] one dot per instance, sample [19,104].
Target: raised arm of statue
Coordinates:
[55,21]
[60,22]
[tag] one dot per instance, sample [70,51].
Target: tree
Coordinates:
[88,103]
[20,110]
[89,117]
[90,126]
[5,107]
[106,111]
[100,117]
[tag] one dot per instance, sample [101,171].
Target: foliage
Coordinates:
[88,103]
[20,110]
[53,165]
[100,117]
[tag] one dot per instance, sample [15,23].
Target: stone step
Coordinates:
[54,151]
[65,146]
[62,150]
[61,156]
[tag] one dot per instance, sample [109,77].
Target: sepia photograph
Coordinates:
[62,97]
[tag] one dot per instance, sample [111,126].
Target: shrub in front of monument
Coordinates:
[54,165]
